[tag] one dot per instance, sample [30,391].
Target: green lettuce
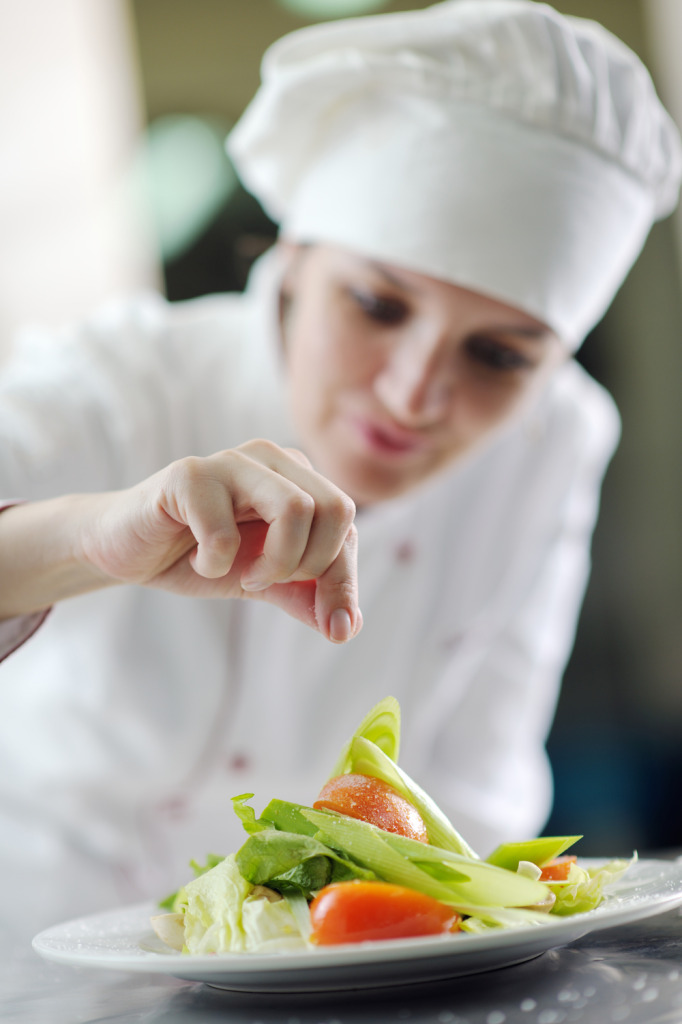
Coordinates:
[278,814]
[174,902]
[212,908]
[246,814]
[286,862]
[487,919]
[223,913]
[257,898]
[273,926]
[584,888]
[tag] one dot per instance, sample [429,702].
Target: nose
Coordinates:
[414,384]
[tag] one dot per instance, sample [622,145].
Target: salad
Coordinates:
[374,858]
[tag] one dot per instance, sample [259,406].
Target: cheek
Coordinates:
[502,401]
[315,374]
[483,407]
[325,355]
[304,351]
[490,403]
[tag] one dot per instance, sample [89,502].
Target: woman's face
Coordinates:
[393,375]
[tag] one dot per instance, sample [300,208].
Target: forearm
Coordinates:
[40,558]
[253,522]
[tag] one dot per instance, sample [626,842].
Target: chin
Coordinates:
[368,486]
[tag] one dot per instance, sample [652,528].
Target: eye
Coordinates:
[383,310]
[496,354]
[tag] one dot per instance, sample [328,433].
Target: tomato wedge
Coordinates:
[372,800]
[361,911]
[557,870]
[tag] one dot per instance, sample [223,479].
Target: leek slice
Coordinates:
[537,851]
[449,877]
[373,750]
[380,726]
[485,884]
[366,758]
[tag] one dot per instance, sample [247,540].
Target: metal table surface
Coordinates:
[631,974]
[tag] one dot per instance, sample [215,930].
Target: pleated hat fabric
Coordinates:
[496,144]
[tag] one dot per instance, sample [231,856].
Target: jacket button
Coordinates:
[174,807]
[405,552]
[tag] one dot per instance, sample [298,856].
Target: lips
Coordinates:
[388,438]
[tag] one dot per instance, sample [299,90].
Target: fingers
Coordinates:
[328,604]
[290,528]
[309,518]
[336,595]
[203,503]
[308,533]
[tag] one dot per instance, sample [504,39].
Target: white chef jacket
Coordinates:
[131,716]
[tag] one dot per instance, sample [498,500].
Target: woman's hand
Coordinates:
[255,521]
[252,522]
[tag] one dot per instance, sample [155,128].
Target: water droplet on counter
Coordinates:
[551,1017]
[620,1013]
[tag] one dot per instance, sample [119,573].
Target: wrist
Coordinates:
[42,559]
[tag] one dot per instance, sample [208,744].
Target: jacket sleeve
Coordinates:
[82,409]
[15,632]
[105,403]
[480,743]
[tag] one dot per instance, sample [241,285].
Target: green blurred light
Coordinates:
[322,9]
[184,177]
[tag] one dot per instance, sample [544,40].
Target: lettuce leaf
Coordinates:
[246,814]
[491,918]
[224,913]
[584,888]
[212,907]
[175,900]
[288,862]
[271,926]
[295,851]
[288,817]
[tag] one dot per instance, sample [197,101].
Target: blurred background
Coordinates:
[114,177]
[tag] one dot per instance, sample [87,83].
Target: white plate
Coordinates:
[123,940]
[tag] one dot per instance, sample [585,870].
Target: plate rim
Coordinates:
[207,967]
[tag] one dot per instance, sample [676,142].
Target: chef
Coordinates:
[192,492]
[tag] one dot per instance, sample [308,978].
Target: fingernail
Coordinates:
[340,626]
[253,584]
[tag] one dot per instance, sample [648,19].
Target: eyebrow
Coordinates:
[531,331]
[390,277]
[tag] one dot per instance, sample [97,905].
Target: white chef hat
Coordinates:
[495,144]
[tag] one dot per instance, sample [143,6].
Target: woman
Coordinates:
[461,191]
